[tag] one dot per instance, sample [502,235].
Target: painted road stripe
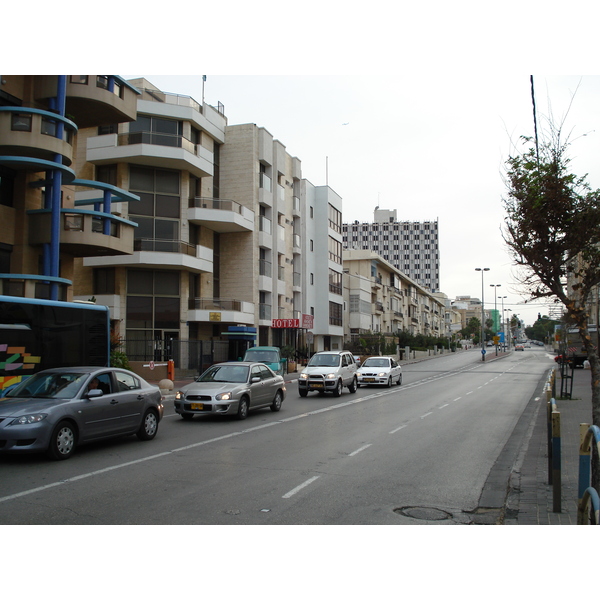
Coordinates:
[301,486]
[359,450]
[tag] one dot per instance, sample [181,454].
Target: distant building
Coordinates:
[411,247]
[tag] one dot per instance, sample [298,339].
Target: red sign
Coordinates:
[285,323]
[307,321]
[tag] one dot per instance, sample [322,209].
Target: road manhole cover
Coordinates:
[423,513]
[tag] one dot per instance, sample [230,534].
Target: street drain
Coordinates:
[423,513]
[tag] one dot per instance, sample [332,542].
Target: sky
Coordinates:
[432,147]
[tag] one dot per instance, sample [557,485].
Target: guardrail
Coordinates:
[587,494]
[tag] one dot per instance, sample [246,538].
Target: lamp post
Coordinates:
[508,310]
[482,312]
[503,328]
[495,285]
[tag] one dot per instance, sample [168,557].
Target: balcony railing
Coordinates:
[214,304]
[158,139]
[216,204]
[158,245]
[264,267]
[264,224]
[169,98]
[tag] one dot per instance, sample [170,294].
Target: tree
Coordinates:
[552,229]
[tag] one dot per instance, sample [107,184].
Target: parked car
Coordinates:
[231,388]
[329,372]
[56,410]
[269,355]
[380,370]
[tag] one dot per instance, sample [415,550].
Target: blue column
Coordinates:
[61,94]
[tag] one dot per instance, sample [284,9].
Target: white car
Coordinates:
[380,370]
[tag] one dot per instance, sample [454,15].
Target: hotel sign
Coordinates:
[285,323]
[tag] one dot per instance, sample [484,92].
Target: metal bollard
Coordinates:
[556,462]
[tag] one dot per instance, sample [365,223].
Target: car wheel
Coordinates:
[337,392]
[62,441]
[353,386]
[389,381]
[149,427]
[242,408]
[276,405]
[399,382]
[303,393]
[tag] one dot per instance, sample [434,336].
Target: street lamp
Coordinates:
[495,285]
[482,313]
[503,328]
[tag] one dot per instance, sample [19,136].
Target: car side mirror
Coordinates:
[255,379]
[94,394]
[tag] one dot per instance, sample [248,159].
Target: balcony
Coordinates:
[34,133]
[93,100]
[160,253]
[82,232]
[160,150]
[223,216]
[205,310]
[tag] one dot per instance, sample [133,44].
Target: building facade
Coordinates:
[382,299]
[411,247]
[46,229]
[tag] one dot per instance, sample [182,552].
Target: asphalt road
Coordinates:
[419,453]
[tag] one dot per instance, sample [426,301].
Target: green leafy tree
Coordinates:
[552,229]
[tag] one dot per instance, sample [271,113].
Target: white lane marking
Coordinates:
[426,415]
[442,406]
[457,399]
[359,450]
[398,429]
[301,486]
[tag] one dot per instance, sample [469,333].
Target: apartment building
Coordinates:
[321,267]
[45,229]
[411,247]
[382,299]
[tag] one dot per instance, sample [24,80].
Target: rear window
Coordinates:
[262,355]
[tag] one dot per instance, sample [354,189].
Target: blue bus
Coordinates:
[43,334]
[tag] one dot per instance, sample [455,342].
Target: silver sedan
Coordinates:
[380,370]
[55,410]
[231,388]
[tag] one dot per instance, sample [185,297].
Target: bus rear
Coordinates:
[43,334]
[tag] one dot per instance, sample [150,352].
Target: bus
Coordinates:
[43,334]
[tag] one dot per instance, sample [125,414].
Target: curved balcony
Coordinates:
[32,286]
[161,150]
[93,100]
[160,254]
[205,310]
[82,232]
[223,216]
[34,133]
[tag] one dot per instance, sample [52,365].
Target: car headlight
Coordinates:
[382,374]
[303,376]
[179,395]
[29,419]
[223,396]
[330,376]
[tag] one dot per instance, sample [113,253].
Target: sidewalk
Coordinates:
[530,496]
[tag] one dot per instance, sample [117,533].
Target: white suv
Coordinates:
[329,372]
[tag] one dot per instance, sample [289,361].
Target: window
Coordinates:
[335,282]
[153,130]
[335,313]
[102,81]
[7,182]
[79,79]
[20,122]
[107,174]
[335,251]
[104,281]
[335,219]
[48,127]
[126,382]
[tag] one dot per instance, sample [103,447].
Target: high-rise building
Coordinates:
[411,247]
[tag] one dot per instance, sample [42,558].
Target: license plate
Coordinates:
[369,379]
[317,385]
[197,406]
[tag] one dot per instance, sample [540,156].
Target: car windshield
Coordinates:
[225,374]
[49,385]
[376,362]
[324,360]
[269,356]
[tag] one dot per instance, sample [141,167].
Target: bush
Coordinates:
[119,360]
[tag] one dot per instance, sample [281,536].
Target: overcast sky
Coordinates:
[431,146]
